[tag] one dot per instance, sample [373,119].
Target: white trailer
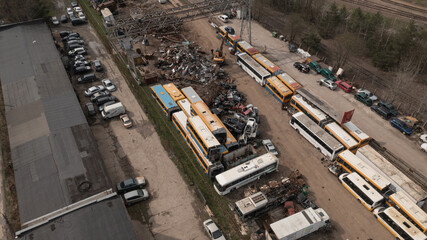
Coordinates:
[298,225]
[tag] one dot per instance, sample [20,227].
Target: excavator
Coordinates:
[219,57]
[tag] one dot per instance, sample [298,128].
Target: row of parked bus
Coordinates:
[208,138]
[383,189]
[265,72]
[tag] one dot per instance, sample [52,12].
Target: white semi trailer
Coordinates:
[298,225]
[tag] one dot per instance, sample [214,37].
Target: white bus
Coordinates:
[397,224]
[253,68]
[185,106]
[352,163]
[245,173]
[327,145]
[301,104]
[342,136]
[409,209]
[361,190]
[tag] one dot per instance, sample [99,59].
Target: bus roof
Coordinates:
[371,156]
[230,137]
[404,223]
[341,135]
[365,170]
[245,169]
[202,130]
[365,187]
[181,118]
[315,101]
[359,134]
[164,96]
[279,85]
[318,131]
[314,111]
[249,48]
[191,94]
[185,105]
[289,81]
[271,67]
[173,91]
[254,64]
[410,208]
[202,110]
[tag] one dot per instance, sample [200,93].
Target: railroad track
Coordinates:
[389,9]
[421,10]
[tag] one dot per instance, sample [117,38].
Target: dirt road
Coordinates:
[172,211]
[350,219]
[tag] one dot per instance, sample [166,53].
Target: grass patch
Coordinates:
[170,138]
[11,214]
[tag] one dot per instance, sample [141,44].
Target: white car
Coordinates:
[70,11]
[82,16]
[328,83]
[223,18]
[371,95]
[269,146]
[94,89]
[55,21]
[109,85]
[135,196]
[424,147]
[423,138]
[213,230]
[77,9]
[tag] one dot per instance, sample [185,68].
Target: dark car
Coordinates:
[390,108]
[103,100]
[230,30]
[77,21]
[315,66]
[98,66]
[64,34]
[87,78]
[82,69]
[382,111]
[401,126]
[328,74]
[76,41]
[67,39]
[130,185]
[292,48]
[74,4]
[99,94]
[90,109]
[364,98]
[74,46]
[64,19]
[302,67]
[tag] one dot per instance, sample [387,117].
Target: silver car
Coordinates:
[135,196]
[109,85]
[213,230]
[371,95]
[94,89]
[328,83]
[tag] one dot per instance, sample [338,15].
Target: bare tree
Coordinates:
[347,45]
[24,10]
[294,26]
[406,72]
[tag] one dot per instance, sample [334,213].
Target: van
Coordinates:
[113,110]
[87,78]
[315,66]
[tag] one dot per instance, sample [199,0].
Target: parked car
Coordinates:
[94,89]
[382,111]
[269,146]
[302,67]
[64,34]
[87,78]
[76,41]
[90,109]
[305,202]
[213,230]
[74,46]
[79,58]
[289,207]
[82,69]
[423,138]
[223,18]
[292,48]
[99,94]
[371,95]
[127,122]
[315,66]
[105,99]
[328,83]
[101,107]
[389,107]
[423,147]
[344,86]
[70,38]
[328,74]
[74,4]
[81,63]
[77,21]
[55,21]
[64,18]
[82,16]
[77,9]
[135,196]
[108,85]
[77,51]
[70,11]
[98,66]
[401,126]
[364,98]
[130,185]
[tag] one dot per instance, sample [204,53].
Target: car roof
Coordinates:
[132,193]
[343,83]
